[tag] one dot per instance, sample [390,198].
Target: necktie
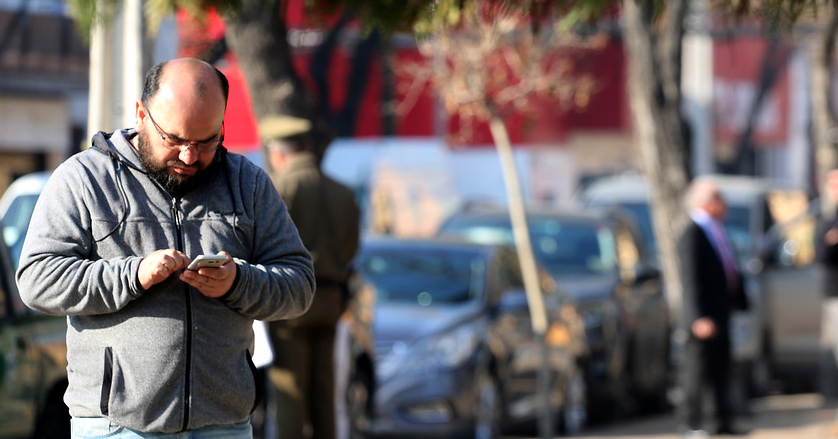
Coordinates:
[726,256]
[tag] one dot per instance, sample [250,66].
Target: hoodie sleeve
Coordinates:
[56,274]
[278,282]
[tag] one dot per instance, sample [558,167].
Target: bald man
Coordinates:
[712,288]
[155,348]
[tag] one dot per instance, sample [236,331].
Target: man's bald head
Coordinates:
[193,75]
[704,194]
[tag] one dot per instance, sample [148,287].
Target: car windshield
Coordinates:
[571,247]
[425,276]
[561,246]
[15,222]
[737,224]
[642,217]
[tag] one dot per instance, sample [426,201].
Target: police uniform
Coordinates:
[327,219]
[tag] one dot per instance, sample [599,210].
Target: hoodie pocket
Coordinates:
[107,381]
[258,381]
[141,392]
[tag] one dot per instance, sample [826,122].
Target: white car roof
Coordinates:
[29,184]
[633,188]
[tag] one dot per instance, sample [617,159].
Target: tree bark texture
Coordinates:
[824,133]
[653,50]
[258,36]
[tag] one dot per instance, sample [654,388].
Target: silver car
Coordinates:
[781,326]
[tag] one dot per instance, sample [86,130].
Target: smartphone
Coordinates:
[209,261]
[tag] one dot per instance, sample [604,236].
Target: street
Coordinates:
[801,416]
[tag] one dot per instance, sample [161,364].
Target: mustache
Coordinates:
[180,164]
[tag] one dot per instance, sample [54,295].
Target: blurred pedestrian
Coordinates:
[827,253]
[712,288]
[328,219]
[155,349]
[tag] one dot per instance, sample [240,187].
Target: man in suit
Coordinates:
[712,288]
[827,253]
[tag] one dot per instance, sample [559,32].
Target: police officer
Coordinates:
[327,219]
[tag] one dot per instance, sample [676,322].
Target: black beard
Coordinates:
[175,185]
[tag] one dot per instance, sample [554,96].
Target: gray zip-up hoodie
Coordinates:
[167,359]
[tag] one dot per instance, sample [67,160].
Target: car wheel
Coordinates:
[574,413]
[489,413]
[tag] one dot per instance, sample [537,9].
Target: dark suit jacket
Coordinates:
[705,289]
[828,256]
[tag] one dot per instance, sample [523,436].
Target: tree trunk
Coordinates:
[258,36]
[660,134]
[824,133]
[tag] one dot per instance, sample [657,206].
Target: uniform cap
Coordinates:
[281,126]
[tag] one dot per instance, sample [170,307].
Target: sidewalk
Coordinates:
[803,416]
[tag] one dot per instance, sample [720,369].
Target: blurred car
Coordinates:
[33,374]
[792,286]
[456,355]
[599,258]
[16,207]
[753,210]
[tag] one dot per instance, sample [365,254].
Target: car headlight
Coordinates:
[447,350]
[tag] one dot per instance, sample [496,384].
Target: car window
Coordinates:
[737,225]
[642,216]
[570,247]
[562,246]
[424,277]
[15,223]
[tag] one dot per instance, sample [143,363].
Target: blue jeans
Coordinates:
[95,428]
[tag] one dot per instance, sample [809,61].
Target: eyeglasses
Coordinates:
[176,144]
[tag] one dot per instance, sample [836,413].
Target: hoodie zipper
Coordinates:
[187,385]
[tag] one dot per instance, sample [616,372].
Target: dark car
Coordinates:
[33,374]
[456,355]
[599,258]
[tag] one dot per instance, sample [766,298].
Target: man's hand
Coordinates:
[212,282]
[704,328]
[158,266]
